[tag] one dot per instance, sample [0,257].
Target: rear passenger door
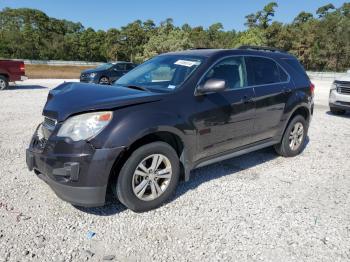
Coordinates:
[272,88]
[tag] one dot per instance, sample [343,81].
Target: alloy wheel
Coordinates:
[152,177]
[2,84]
[104,81]
[296,136]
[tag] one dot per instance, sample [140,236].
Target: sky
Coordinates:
[105,14]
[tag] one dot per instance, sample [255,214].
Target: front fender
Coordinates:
[131,124]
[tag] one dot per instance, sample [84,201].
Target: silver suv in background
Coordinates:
[339,96]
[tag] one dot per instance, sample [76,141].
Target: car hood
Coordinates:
[92,70]
[73,98]
[345,78]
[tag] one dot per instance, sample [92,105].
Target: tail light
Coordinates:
[22,67]
[312,89]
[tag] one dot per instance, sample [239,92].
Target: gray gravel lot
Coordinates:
[250,208]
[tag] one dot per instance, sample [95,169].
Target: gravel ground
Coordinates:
[250,208]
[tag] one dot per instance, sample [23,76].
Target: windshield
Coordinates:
[105,66]
[162,73]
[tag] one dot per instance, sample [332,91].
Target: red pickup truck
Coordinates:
[11,71]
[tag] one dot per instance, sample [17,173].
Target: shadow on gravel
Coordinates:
[111,208]
[25,87]
[346,115]
[230,167]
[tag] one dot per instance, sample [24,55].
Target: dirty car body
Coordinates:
[202,127]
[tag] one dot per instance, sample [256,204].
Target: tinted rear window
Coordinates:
[263,71]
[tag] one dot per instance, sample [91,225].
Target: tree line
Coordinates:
[321,41]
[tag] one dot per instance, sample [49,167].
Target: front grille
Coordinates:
[343,103]
[84,75]
[49,123]
[343,87]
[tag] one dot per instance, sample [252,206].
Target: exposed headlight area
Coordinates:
[92,74]
[334,86]
[85,126]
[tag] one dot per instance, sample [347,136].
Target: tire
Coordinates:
[292,133]
[337,111]
[3,82]
[104,80]
[130,183]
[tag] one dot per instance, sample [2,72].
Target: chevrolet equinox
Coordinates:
[172,114]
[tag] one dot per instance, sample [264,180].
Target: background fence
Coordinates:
[325,75]
[58,62]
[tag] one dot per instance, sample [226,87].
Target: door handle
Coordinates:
[287,90]
[247,100]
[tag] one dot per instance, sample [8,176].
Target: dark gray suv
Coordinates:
[172,114]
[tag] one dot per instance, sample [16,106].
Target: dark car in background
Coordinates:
[107,73]
[172,114]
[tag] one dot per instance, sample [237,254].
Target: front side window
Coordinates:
[120,67]
[162,73]
[105,66]
[264,71]
[232,70]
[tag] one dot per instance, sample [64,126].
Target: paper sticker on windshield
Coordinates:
[171,86]
[186,63]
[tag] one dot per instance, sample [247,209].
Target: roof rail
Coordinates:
[261,48]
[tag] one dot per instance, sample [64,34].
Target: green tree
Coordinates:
[163,41]
[324,10]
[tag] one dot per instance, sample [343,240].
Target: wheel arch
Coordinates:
[5,75]
[302,110]
[172,138]
[102,76]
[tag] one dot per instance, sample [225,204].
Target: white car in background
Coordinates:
[339,96]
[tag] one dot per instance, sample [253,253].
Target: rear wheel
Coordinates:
[3,82]
[337,111]
[104,81]
[148,177]
[294,138]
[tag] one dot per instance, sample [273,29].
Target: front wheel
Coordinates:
[293,140]
[149,177]
[104,81]
[3,82]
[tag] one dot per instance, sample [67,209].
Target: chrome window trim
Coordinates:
[248,86]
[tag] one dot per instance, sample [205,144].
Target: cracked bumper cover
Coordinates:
[76,172]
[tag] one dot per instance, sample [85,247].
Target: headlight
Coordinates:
[334,86]
[85,126]
[93,74]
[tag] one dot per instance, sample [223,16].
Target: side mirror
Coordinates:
[212,85]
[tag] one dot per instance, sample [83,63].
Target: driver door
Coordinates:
[225,120]
[117,71]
